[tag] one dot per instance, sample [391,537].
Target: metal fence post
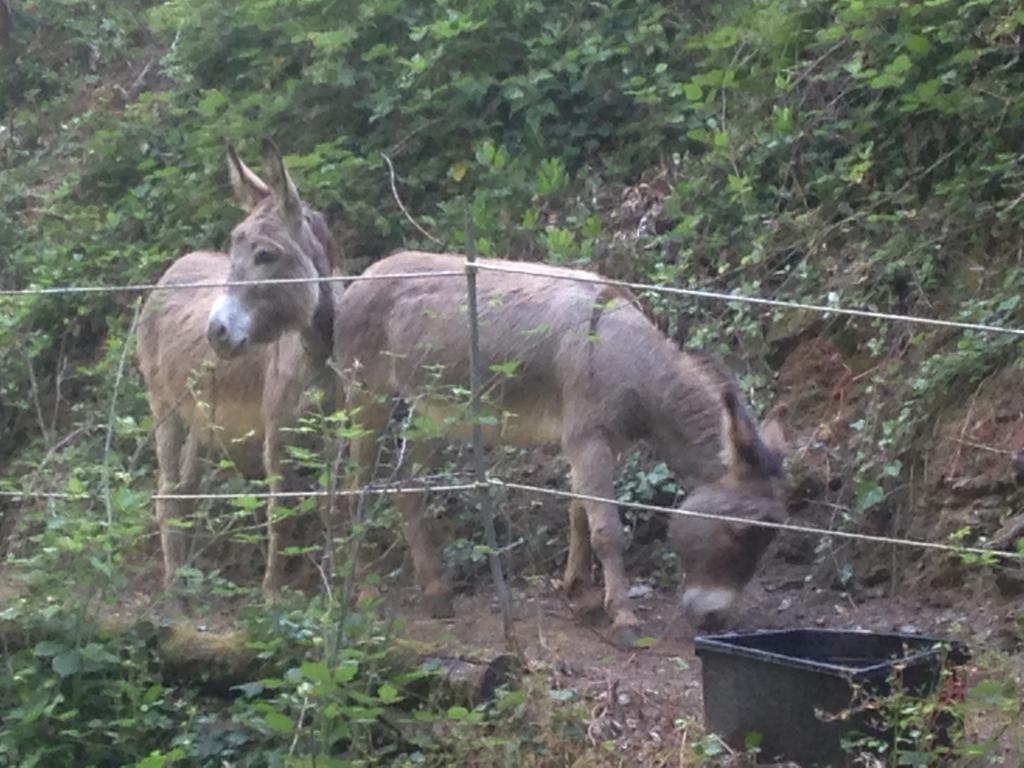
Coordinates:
[483,486]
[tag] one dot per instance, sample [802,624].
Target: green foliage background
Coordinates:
[860,152]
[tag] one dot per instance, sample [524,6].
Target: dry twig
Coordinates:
[405,211]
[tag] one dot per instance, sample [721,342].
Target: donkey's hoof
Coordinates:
[576,587]
[178,606]
[271,594]
[589,610]
[626,638]
[439,606]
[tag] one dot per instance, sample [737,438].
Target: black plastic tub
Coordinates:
[780,683]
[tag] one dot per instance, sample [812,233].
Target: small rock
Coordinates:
[789,585]
[820,621]
[908,629]
[785,605]
[1007,641]
[640,591]
[1010,583]
[878,575]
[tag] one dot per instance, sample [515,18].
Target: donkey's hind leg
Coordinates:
[427,557]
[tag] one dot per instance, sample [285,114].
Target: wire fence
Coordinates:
[418,486]
[525,269]
[152,287]
[483,480]
[827,309]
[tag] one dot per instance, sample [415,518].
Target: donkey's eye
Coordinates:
[264,256]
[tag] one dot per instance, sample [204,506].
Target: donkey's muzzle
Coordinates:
[709,608]
[228,328]
[220,339]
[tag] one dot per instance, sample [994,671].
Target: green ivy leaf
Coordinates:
[346,671]
[153,693]
[49,648]
[506,369]
[278,722]
[869,494]
[918,44]
[317,672]
[67,663]
[211,103]
[723,37]
[753,740]
[388,694]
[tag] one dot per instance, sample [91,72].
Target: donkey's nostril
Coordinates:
[713,621]
[219,337]
[217,331]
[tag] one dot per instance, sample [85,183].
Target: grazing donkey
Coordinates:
[589,372]
[243,401]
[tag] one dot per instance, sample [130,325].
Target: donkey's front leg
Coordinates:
[171,437]
[272,466]
[579,565]
[578,583]
[593,466]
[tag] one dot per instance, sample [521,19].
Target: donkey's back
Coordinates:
[560,351]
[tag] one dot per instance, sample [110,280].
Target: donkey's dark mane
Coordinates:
[328,262]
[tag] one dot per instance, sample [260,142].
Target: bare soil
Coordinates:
[647,701]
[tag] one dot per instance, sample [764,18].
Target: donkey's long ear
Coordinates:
[773,434]
[288,200]
[249,188]
[740,438]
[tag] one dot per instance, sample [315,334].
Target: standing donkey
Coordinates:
[239,403]
[591,373]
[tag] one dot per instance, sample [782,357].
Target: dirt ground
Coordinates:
[640,698]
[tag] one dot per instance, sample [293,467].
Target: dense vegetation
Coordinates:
[853,152]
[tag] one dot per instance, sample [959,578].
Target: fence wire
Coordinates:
[580,277]
[777,303]
[416,485]
[420,487]
[791,527]
[150,287]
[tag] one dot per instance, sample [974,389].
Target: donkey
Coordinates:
[240,403]
[591,373]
